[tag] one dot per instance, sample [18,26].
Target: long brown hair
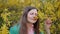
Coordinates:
[23,27]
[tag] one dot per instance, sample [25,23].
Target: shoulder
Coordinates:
[15,29]
[15,26]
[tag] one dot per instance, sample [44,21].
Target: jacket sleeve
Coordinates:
[41,32]
[14,30]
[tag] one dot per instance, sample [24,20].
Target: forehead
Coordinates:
[33,10]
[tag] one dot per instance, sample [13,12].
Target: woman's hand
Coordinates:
[47,25]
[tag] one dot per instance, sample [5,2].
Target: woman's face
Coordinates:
[32,16]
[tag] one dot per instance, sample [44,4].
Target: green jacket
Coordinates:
[15,29]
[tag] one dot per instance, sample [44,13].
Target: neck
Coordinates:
[30,25]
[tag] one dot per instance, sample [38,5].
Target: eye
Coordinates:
[36,14]
[31,13]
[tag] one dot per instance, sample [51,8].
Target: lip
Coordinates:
[34,19]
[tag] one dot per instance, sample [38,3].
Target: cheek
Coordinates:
[30,19]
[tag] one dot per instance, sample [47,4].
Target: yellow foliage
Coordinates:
[41,15]
[46,8]
[4,29]
[4,16]
[13,2]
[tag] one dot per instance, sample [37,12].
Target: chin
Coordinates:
[33,22]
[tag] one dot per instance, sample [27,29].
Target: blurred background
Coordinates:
[11,11]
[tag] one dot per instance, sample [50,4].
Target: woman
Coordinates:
[29,23]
